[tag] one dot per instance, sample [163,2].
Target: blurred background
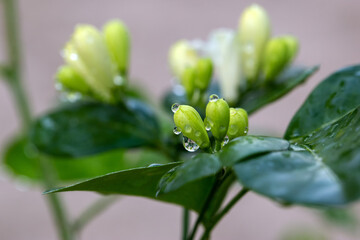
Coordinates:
[329,34]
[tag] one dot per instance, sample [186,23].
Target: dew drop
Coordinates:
[225,141]
[187,129]
[118,80]
[155,165]
[246,130]
[198,134]
[213,98]
[73,97]
[207,124]
[190,145]
[175,107]
[177,130]
[233,129]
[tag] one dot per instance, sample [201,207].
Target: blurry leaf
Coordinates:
[302,233]
[258,96]
[144,182]
[249,146]
[333,98]
[323,165]
[23,161]
[200,166]
[341,217]
[81,129]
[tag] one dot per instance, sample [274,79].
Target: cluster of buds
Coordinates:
[193,71]
[242,58]
[97,62]
[225,124]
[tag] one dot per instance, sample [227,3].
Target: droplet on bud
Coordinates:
[213,98]
[246,130]
[177,130]
[118,80]
[225,141]
[175,107]
[190,145]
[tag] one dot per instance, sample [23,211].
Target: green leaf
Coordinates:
[23,162]
[88,128]
[249,146]
[144,182]
[341,217]
[322,166]
[336,96]
[258,96]
[200,166]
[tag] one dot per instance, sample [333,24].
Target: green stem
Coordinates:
[224,211]
[90,213]
[185,223]
[14,79]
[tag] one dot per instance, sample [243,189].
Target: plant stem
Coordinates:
[14,79]
[185,223]
[93,211]
[224,211]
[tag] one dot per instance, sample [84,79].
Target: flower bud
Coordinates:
[117,39]
[238,125]
[292,45]
[188,121]
[224,50]
[217,117]
[275,58]
[182,56]
[204,69]
[72,80]
[86,53]
[254,32]
[188,79]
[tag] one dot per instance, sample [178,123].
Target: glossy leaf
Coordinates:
[249,146]
[88,128]
[198,167]
[258,96]
[24,163]
[331,99]
[144,182]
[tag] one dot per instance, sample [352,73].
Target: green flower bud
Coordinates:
[182,56]
[217,117]
[117,39]
[188,121]
[188,79]
[292,45]
[204,68]
[238,125]
[86,53]
[275,58]
[72,80]
[254,32]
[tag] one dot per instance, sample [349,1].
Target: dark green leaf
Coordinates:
[258,96]
[249,146]
[144,182]
[23,161]
[333,98]
[200,166]
[88,128]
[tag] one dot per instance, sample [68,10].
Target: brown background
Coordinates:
[329,34]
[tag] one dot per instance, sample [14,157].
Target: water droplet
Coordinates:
[58,86]
[246,130]
[175,107]
[207,124]
[233,129]
[155,165]
[190,145]
[225,141]
[73,97]
[222,128]
[198,134]
[188,129]
[213,98]
[118,80]
[177,130]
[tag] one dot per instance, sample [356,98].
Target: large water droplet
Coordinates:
[225,141]
[233,129]
[187,129]
[213,98]
[207,124]
[190,145]
[177,130]
[175,107]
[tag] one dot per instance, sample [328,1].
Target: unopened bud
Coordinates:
[72,80]
[254,32]
[86,53]
[293,46]
[188,121]
[217,117]
[204,69]
[188,79]
[182,56]
[238,125]
[117,39]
